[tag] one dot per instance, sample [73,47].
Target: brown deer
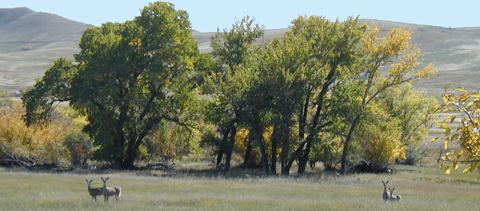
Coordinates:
[110,191]
[94,192]
[386,194]
[394,197]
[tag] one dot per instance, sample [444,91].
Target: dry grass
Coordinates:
[421,189]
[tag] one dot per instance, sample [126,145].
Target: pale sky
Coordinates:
[207,15]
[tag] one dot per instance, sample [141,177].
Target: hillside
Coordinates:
[30,41]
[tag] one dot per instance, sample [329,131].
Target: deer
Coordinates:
[94,192]
[110,191]
[386,194]
[394,197]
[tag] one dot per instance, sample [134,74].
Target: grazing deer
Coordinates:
[386,194]
[110,191]
[394,197]
[94,192]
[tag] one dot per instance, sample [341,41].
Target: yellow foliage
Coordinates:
[241,140]
[466,134]
[381,142]
[44,144]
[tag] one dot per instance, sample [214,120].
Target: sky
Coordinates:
[208,15]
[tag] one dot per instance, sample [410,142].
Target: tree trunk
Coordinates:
[302,164]
[219,157]
[247,159]
[295,155]
[273,160]
[221,147]
[263,150]
[128,162]
[285,146]
[229,150]
[346,145]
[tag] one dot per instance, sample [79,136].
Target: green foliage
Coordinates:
[229,81]
[386,62]
[395,123]
[380,140]
[324,89]
[327,151]
[54,86]
[127,78]
[414,155]
[413,109]
[232,47]
[4,101]
[80,147]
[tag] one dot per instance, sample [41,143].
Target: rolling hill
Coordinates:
[30,41]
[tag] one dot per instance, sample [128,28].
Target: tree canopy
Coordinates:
[324,90]
[127,78]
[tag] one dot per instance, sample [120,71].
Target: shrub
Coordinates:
[39,145]
[414,155]
[80,146]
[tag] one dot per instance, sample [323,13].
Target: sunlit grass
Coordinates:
[422,188]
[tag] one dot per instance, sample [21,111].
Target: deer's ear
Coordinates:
[107,178]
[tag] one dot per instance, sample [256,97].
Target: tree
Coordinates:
[398,56]
[463,105]
[126,79]
[415,112]
[332,49]
[297,73]
[231,51]
[283,81]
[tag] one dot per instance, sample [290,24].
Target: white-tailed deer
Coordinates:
[94,192]
[386,194]
[392,196]
[110,191]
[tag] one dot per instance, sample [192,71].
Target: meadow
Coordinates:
[421,188]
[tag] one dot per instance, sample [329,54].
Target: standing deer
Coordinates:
[386,194]
[94,192]
[110,191]
[394,197]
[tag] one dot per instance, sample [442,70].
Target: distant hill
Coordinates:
[30,41]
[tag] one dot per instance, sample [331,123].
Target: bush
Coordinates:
[328,152]
[41,145]
[414,155]
[170,141]
[380,141]
[80,146]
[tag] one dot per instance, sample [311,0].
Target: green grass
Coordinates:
[423,188]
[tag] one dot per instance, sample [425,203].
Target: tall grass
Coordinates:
[421,189]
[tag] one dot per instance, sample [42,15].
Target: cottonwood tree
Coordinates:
[294,75]
[126,79]
[387,62]
[232,51]
[332,49]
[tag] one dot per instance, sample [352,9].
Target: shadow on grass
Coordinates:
[235,172]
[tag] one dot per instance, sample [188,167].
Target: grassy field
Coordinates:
[422,188]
